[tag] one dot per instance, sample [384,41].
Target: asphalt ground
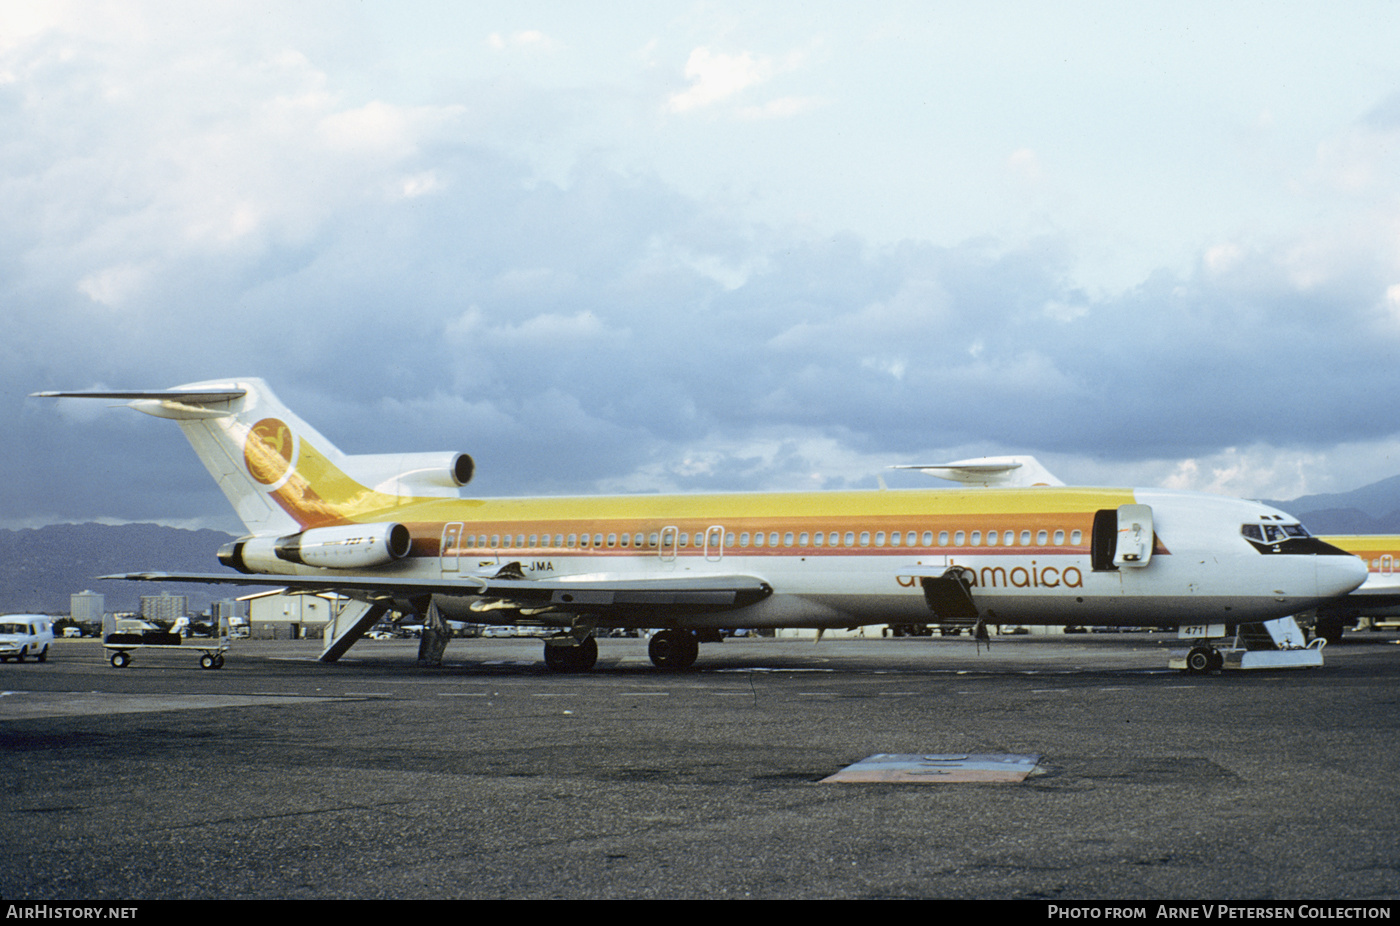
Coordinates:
[280,777]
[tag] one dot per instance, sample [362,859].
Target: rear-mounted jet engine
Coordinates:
[348,546]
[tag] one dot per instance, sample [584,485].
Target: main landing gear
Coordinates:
[668,649]
[564,654]
[673,649]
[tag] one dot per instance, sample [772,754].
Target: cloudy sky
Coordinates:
[654,246]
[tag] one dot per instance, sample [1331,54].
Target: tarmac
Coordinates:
[490,777]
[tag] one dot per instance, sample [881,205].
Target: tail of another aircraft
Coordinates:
[279,473]
[1002,472]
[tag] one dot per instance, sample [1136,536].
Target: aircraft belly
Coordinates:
[999,607]
[844,610]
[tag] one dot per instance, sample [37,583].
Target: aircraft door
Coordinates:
[666,549]
[1135,536]
[1122,538]
[714,543]
[450,553]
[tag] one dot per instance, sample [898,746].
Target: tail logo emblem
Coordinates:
[268,450]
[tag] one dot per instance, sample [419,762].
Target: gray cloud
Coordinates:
[407,281]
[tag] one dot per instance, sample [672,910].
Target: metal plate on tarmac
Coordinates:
[936,769]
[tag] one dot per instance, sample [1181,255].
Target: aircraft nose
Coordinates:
[1338,575]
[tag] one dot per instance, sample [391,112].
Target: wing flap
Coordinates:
[711,594]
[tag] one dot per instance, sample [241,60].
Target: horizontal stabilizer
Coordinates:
[999,472]
[191,396]
[177,404]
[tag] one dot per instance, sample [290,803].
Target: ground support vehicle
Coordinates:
[1276,644]
[120,646]
[24,635]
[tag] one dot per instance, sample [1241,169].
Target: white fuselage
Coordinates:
[1204,570]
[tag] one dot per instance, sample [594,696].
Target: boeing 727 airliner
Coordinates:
[395,531]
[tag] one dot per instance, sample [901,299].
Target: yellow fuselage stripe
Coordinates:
[320,494]
[1380,551]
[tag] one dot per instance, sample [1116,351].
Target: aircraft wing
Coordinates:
[610,596]
[1378,591]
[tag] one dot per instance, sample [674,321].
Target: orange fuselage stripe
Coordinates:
[319,493]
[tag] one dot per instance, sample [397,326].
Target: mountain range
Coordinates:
[1371,509]
[41,567]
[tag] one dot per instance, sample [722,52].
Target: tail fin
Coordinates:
[279,473]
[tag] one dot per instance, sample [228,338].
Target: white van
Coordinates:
[25,635]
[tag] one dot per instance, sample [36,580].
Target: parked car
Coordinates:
[24,635]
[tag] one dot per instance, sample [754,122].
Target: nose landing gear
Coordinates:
[1203,660]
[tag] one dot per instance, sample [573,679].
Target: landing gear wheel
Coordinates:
[579,657]
[120,660]
[206,661]
[673,649]
[1202,660]
[218,660]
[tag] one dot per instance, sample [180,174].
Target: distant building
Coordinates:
[225,611]
[164,607]
[86,607]
[273,615]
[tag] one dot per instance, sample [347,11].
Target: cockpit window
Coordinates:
[1273,533]
[1286,539]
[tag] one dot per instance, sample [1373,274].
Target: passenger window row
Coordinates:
[777,539]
